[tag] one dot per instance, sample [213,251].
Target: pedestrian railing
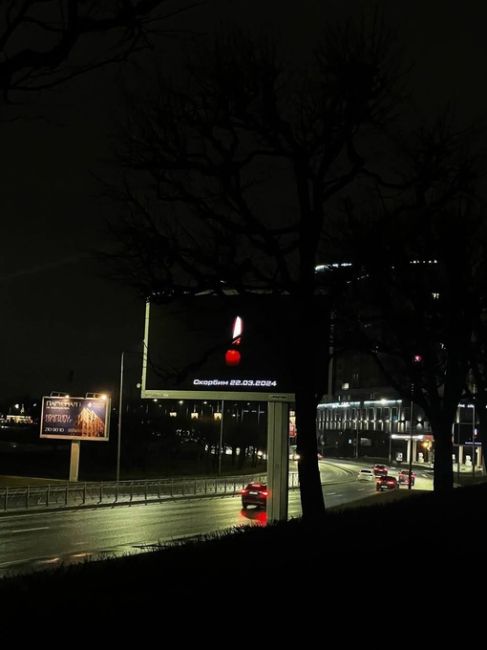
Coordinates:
[70,494]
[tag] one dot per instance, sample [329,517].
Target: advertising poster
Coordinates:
[219,345]
[75,418]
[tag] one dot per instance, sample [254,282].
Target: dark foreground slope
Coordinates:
[421,553]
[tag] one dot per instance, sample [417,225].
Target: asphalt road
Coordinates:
[33,541]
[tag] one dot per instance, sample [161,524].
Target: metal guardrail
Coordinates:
[92,494]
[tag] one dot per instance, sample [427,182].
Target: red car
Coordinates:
[386,483]
[380,470]
[403,477]
[255,494]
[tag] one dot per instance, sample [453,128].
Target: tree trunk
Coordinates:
[443,472]
[309,337]
[312,501]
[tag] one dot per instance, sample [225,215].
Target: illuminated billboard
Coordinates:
[220,347]
[75,418]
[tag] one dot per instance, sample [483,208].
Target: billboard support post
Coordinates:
[74,460]
[277,460]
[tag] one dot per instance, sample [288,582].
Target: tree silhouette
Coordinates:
[415,300]
[44,43]
[232,173]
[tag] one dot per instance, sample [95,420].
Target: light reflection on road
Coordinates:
[36,540]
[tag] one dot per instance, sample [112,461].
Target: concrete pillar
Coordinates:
[478,458]
[277,460]
[74,460]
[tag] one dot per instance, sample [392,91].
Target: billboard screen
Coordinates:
[220,347]
[75,418]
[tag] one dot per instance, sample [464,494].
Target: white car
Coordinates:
[366,475]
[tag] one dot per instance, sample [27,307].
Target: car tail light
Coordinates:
[264,493]
[244,491]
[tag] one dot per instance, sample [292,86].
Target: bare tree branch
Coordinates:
[69,37]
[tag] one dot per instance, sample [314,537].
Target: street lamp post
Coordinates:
[120,406]
[391,428]
[474,451]
[411,446]
[221,441]
[458,441]
[418,362]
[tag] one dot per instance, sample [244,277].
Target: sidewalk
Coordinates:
[22,481]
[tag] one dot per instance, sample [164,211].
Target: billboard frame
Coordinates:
[146,393]
[277,427]
[78,438]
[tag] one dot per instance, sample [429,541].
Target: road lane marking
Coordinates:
[3,564]
[29,530]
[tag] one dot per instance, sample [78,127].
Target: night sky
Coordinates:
[63,325]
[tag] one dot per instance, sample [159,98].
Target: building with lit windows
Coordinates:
[375,424]
[363,418]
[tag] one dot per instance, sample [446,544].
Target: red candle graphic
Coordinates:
[232,355]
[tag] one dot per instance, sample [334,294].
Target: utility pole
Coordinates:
[411,444]
[418,361]
[120,407]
